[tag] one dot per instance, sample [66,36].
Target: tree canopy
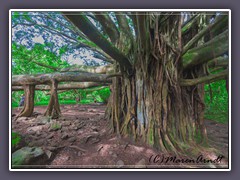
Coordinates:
[99,33]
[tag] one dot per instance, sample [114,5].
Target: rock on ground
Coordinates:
[141,164]
[120,164]
[41,120]
[25,155]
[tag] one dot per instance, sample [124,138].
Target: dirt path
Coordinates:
[218,136]
[83,141]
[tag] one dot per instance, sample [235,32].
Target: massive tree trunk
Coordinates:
[159,98]
[27,110]
[53,108]
[151,105]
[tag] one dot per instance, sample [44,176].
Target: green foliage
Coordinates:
[99,94]
[16,96]
[216,101]
[62,50]
[26,16]
[24,59]
[37,59]
[104,94]
[89,43]
[87,96]
[16,138]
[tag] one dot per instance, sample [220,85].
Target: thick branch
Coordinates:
[18,80]
[204,31]
[96,50]
[220,27]
[218,62]
[190,23]
[95,36]
[205,79]
[207,51]
[123,25]
[68,86]
[103,57]
[114,75]
[134,20]
[189,19]
[108,26]
[141,24]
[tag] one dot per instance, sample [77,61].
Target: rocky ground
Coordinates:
[80,139]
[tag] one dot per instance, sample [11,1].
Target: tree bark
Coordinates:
[67,86]
[148,106]
[95,36]
[205,79]
[27,110]
[218,62]
[53,108]
[108,26]
[220,20]
[18,80]
[212,49]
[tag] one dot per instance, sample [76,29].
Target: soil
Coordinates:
[82,140]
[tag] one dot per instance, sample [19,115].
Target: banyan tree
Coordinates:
[160,61]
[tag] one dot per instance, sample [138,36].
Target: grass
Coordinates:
[215,115]
[45,103]
[214,111]
[15,139]
[55,126]
[216,100]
